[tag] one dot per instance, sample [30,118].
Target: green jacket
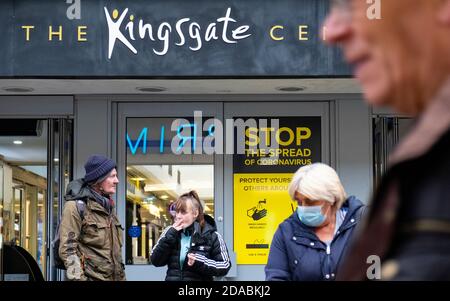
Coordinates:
[90,247]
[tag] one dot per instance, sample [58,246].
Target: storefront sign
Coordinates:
[261,179]
[166,38]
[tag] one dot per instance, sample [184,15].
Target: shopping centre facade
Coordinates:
[169,89]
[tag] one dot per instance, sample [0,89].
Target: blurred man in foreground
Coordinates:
[402,60]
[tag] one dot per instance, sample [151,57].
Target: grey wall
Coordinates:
[354,147]
[36,106]
[92,131]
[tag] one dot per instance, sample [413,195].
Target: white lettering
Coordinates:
[130,27]
[240,30]
[225,21]
[211,32]
[180,32]
[164,33]
[115,33]
[143,28]
[194,32]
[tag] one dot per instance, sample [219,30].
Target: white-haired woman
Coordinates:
[310,244]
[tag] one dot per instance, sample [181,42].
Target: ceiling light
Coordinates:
[56,160]
[18,142]
[291,89]
[160,187]
[18,89]
[165,197]
[151,89]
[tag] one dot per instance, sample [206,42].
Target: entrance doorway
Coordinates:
[156,176]
[35,167]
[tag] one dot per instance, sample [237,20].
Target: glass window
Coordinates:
[25,207]
[159,170]
[23,152]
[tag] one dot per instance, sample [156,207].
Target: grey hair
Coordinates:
[318,182]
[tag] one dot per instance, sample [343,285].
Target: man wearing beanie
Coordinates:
[90,233]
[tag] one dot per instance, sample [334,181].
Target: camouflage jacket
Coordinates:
[90,247]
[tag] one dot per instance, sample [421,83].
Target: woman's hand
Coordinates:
[178,225]
[191,259]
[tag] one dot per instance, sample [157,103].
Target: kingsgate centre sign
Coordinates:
[166,32]
[167,38]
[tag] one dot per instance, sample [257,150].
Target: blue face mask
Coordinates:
[311,216]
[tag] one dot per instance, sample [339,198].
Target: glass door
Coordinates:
[60,171]
[35,159]
[162,154]
[23,152]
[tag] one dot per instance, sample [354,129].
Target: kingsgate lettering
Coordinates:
[171,33]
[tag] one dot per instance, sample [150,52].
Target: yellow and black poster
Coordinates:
[261,178]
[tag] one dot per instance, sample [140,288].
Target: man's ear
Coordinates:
[444,12]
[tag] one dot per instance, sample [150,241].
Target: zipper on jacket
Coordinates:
[328,276]
[178,257]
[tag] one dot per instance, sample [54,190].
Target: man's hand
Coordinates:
[191,259]
[74,270]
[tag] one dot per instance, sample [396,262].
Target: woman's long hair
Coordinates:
[192,197]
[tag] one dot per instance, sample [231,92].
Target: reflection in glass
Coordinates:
[150,192]
[156,177]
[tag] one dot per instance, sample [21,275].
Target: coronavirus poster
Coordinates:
[261,177]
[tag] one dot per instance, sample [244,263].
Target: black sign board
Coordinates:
[166,38]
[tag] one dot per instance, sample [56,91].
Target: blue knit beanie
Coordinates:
[97,166]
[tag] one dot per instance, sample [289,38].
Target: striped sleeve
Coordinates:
[219,264]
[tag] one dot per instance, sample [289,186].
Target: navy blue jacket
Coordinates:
[297,254]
